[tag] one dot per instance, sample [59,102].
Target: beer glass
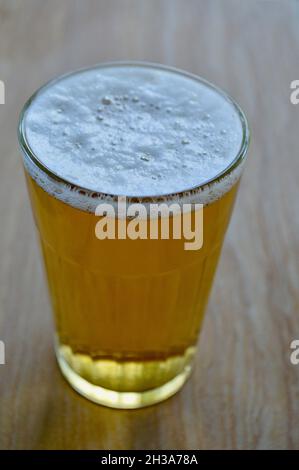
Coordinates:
[127,312]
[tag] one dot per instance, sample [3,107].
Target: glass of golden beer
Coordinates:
[128,310]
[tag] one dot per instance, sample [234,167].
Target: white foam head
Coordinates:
[135,130]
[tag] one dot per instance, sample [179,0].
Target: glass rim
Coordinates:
[236,161]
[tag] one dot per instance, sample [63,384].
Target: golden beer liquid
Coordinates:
[127,312]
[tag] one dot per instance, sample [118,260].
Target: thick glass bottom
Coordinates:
[124,384]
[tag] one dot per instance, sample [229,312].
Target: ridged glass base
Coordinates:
[130,376]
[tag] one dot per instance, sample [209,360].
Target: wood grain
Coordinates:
[244,393]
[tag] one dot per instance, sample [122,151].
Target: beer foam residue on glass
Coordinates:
[132,130]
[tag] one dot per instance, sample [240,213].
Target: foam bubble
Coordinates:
[132,130]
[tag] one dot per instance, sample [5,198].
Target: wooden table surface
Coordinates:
[244,392]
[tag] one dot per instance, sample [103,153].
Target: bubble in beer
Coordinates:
[106,100]
[146,158]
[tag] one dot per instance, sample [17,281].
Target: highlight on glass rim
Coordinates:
[149,231]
